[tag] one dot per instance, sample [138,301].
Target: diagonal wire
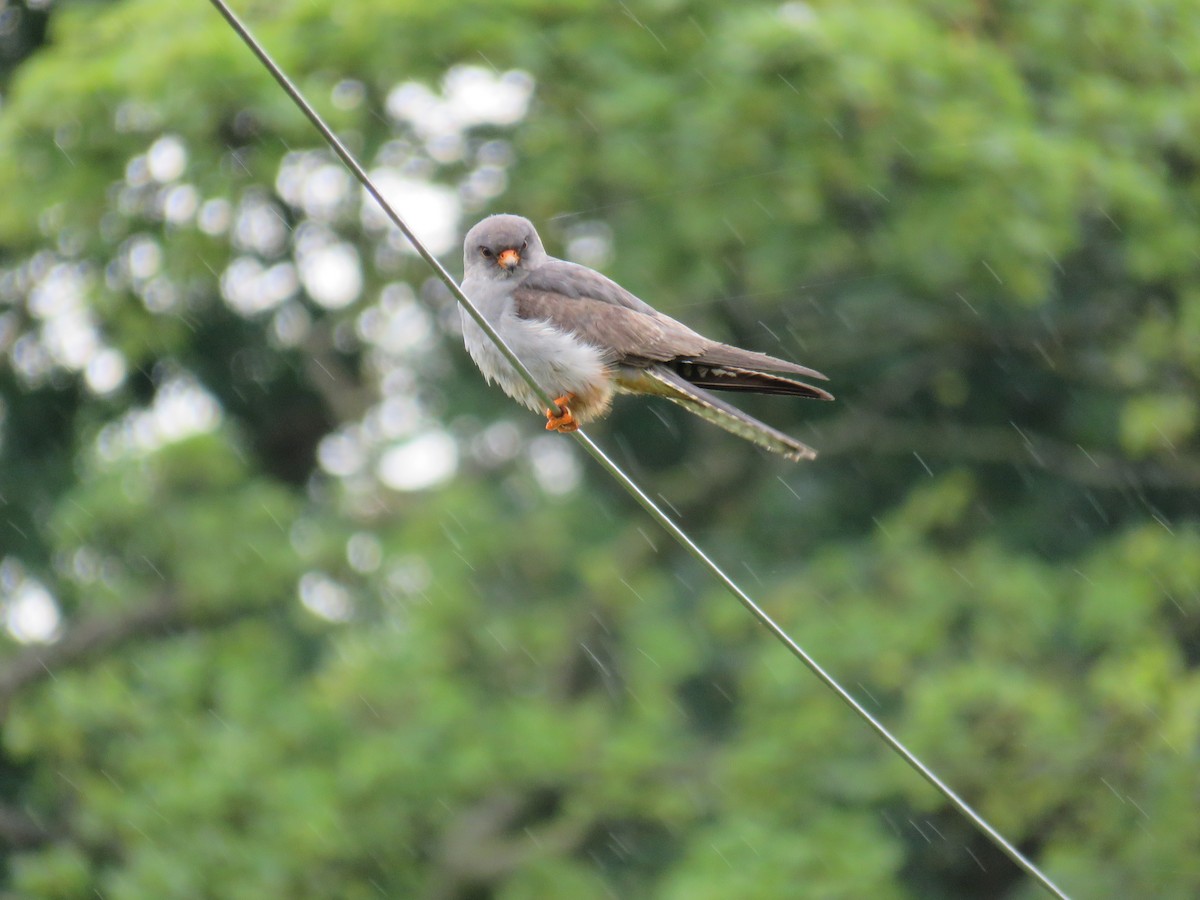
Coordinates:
[626,482]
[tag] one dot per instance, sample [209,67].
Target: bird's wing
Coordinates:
[749,381]
[631,337]
[724,355]
[625,335]
[673,386]
[572,296]
[557,276]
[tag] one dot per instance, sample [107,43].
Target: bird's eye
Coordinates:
[525,245]
[487,254]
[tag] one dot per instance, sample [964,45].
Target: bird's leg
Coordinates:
[561,422]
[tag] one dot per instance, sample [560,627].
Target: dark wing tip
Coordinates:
[741,379]
[718,354]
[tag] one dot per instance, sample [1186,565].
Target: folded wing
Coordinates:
[632,337]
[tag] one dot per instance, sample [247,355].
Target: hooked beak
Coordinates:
[508,259]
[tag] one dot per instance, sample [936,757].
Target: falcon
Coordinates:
[584,338]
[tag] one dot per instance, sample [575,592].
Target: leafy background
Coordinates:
[296,606]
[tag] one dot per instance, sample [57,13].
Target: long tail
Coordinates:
[699,401]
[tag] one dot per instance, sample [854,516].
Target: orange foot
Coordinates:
[565,422]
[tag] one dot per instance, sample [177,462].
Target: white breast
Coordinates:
[559,361]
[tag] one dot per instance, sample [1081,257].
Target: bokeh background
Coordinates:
[294,605]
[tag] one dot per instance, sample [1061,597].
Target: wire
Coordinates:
[668,524]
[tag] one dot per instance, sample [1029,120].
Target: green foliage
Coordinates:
[276,675]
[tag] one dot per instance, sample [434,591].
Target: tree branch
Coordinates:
[487,842]
[20,831]
[93,638]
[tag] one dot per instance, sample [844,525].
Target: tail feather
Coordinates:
[736,378]
[696,400]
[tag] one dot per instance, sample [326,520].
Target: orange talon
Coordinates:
[564,422]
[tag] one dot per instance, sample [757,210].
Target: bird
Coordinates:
[584,338]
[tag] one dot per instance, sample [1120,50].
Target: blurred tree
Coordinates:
[22,31]
[295,606]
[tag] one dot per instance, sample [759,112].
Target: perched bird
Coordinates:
[584,338]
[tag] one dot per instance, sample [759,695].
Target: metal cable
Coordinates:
[668,524]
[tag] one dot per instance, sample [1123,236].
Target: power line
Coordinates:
[668,524]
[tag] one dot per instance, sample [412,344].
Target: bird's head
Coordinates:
[502,246]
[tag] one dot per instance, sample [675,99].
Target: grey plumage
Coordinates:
[584,336]
[732,419]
